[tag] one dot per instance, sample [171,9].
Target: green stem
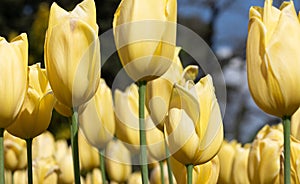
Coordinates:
[189,169]
[144,167]
[102,167]
[286,120]
[162,176]
[170,175]
[74,145]
[29,160]
[1,157]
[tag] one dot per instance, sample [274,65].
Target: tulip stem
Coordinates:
[170,175]
[286,120]
[102,166]
[74,145]
[143,149]
[162,176]
[29,159]
[1,156]
[189,169]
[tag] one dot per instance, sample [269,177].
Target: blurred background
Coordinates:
[221,23]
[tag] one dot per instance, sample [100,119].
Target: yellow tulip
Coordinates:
[226,156]
[159,91]
[117,161]
[273,59]
[35,115]
[127,117]
[39,150]
[295,124]
[73,69]
[88,155]
[94,177]
[265,155]
[45,170]
[145,36]
[97,120]
[15,153]
[239,172]
[194,109]
[14,58]
[206,173]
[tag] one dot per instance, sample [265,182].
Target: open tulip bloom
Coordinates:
[195,130]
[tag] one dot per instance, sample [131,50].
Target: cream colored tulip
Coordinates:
[239,171]
[72,53]
[35,115]
[39,150]
[206,173]
[94,177]
[88,155]
[117,161]
[159,91]
[265,156]
[145,36]
[273,58]
[14,59]
[45,170]
[127,117]
[15,153]
[195,130]
[8,177]
[226,156]
[97,120]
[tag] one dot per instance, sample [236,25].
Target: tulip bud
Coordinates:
[88,156]
[145,53]
[194,109]
[14,58]
[73,69]
[127,117]
[273,59]
[97,120]
[117,161]
[36,111]
[265,155]
[94,177]
[15,153]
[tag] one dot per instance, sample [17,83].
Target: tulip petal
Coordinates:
[183,144]
[86,11]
